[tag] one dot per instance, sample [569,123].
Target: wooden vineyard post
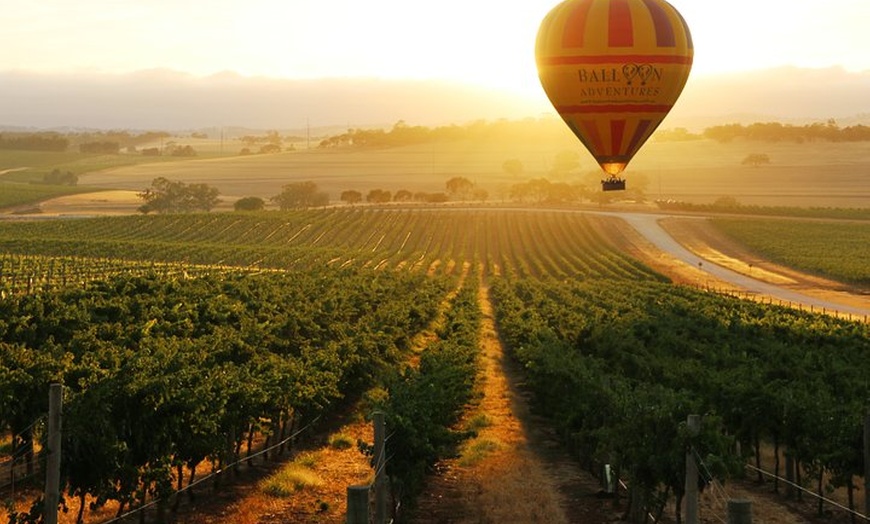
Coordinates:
[739,512]
[52,469]
[358,505]
[380,462]
[693,423]
[867,464]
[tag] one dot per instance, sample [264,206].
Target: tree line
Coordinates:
[104,142]
[167,196]
[772,132]
[403,134]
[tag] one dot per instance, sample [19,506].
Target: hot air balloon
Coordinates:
[613,69]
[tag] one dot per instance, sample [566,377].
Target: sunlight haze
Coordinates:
[295,63]
[487,43]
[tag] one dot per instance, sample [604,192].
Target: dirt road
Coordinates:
[772,284]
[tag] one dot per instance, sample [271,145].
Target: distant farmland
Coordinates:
[813,174]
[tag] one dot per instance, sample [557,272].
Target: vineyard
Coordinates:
[524,243]
[618,371]
[165,372]
[218,330]
[837,250]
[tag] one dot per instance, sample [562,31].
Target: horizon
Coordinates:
[168,100]
[479,42]
[246,64]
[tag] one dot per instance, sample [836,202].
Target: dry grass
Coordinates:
[478,449]
[342,441]
[290,479]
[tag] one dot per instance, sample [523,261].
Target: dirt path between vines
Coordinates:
[514,470]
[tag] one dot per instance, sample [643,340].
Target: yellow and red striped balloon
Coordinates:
[613,69]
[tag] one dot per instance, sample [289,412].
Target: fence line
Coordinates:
[767,299]
[213,474]
[808,492]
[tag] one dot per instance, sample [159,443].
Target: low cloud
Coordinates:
[168,100]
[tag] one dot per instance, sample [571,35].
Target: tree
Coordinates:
[251,203]
[177,150]
[104,147]
[59,178]
[300,194]
[756,159]
[270,148]
[403,195]
[480,194]
[167,196]
[351,197]
[459,187]
[431,198]
[541,190]
[726,202]
[378,196]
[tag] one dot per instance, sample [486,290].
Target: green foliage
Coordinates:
[459,187]
[425,403]
[756,159]
[59,178]
[103,147]
[288,480]
[775,132]
[838,250]
[554,244]
[342,441]
[351,196]
[378,196]
[730,204]
[167,196]
[249,204]
[46,141]
[17,194]
[477,449]
[199,359]
[299,195]
[541,190]
[617,365]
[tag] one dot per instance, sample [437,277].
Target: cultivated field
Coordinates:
[812,174]
[202,290]
[271,294]
[837,250]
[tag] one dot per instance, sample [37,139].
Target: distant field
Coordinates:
[13,193]
[30,166]
[839,250]
[813,174]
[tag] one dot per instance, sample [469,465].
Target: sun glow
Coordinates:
[484,42]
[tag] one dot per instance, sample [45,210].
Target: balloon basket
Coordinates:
[613,184]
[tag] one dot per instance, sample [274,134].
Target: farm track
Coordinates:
[529,478]
[691,250]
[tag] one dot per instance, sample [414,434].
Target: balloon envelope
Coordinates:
[613,69]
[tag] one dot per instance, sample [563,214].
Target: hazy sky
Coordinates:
[486,42]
